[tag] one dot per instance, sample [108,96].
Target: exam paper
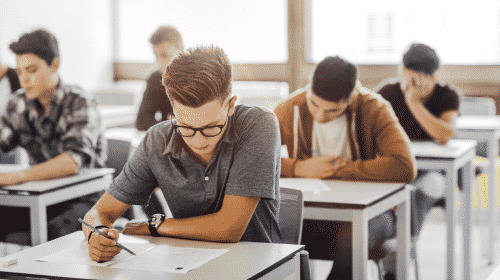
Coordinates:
[170,259]
[79,254]
[305,185]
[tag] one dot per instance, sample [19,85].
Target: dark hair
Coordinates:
[422,58]
[40,43]
[334,79]
[167,34]
[198,75]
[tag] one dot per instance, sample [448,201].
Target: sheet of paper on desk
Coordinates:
[79,254]
[304,184]
[170,259]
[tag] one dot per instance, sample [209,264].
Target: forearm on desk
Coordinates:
[227,225]
[441,129]
[60,166]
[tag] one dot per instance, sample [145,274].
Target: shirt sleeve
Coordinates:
[14,114]
[82,132]
[450,99]
[136,182]
[256,166]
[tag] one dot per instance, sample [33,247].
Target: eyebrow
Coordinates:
[207,125]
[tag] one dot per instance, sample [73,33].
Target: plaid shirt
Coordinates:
[73,125]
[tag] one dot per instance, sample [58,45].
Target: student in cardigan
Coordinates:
[427,109]
[336,119]
[217,164]
[57,124]
[155,106]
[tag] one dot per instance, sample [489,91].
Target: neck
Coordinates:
[46,97]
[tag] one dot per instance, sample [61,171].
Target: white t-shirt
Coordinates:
[5,92]
[331,138]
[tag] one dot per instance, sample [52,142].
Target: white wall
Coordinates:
[82,28]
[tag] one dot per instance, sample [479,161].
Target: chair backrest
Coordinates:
[291,215]
[118,154]
[477,106]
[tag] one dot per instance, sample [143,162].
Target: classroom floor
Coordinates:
[431,249]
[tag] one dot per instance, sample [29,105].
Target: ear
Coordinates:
[232,104]
[55,64]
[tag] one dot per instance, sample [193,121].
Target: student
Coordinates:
[166,42]
[57,124]
[9,83]
[336,119]
[217,164]
[427,109]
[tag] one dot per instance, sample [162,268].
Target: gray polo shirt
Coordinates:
[247,161]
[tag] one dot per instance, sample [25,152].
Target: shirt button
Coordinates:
[206,178]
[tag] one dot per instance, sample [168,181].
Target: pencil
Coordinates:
[105,235]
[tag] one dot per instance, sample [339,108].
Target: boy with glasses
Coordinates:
[217,164]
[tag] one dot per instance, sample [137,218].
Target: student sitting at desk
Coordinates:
[167,42]
[217,164]
[57,124]
[335,128]
[427,110]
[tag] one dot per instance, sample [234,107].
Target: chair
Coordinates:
[290,225]
[118,154]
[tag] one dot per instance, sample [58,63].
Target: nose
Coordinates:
[24,79]
[199,140]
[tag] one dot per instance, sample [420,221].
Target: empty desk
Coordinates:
[450,158]
[485,128]
[358,202]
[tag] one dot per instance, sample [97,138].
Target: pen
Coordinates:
[105,235]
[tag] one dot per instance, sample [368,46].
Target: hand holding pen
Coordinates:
[103,245]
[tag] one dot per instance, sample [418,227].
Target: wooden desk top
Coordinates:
[39,187]
[455,148]
[342,194]
[472,122]
[244,260]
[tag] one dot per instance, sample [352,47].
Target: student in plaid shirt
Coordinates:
[57,124]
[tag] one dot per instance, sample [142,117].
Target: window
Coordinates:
[379,32]
[249,31]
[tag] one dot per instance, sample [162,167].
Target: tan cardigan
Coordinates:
[380,148]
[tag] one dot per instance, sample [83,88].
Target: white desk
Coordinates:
[485,128]
[115,115]
[38,195]
[244,260]
[128,134]
[358,202]
[454,155]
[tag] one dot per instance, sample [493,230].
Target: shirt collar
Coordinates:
[174,146]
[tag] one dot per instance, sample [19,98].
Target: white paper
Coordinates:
[79,254]
[148,257]
[304,184]
[170,259]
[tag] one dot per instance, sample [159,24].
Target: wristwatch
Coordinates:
[154,223]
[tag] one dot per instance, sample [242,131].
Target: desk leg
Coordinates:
[451,185]
[467,175]
[38,218]
[492,154]
[403,233]
[359,244]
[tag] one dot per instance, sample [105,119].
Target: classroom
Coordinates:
[353,140]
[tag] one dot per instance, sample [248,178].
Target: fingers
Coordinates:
[102,248]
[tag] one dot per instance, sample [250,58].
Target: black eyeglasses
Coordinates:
[207,131]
